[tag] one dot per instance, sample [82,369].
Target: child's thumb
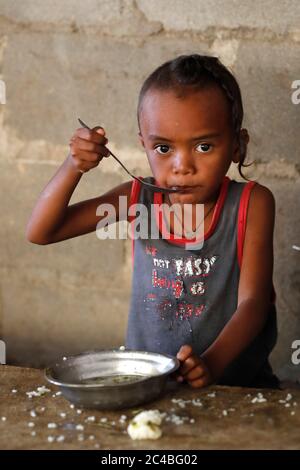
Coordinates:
[99,130]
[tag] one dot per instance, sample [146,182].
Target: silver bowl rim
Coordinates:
[49,376]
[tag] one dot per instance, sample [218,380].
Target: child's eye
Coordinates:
[163,149]
[204,148]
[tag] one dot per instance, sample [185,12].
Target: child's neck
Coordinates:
[179,218]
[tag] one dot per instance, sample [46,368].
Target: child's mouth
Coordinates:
[183,189]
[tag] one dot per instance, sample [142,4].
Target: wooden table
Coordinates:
[211,418]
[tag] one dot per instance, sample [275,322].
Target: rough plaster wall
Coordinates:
[60,60]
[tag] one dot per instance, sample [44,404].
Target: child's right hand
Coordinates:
[193,369]
[87,148]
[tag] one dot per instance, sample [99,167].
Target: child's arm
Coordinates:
[254,296]
[52,219]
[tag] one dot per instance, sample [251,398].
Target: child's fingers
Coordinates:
[195,373]
[87,148]
[96,136]
[99,130]
[77,143]
[89,157]
[184,352]
[82,144]
[188,365]
[184,355]
[198,383]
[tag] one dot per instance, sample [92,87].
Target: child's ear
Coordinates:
[240,146]
[141,138]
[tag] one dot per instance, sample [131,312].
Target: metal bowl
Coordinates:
[112,379]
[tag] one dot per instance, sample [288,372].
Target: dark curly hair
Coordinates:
[194,72]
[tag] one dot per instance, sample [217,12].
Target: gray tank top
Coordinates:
[186,296]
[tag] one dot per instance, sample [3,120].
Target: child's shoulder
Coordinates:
[261,210]
[259,195]
[261,198]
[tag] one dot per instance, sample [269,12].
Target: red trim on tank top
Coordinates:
[134,197]
[241,229]
[182,241]
[242,219]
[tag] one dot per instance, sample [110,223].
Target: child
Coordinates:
[213,305]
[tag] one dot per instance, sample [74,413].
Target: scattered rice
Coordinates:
[175,419]
[259,398]
[196,402]
[40,391]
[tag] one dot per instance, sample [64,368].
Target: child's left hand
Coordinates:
[193,369]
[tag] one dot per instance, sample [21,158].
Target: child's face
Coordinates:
[189,141]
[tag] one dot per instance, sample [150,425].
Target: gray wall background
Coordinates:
[60,60]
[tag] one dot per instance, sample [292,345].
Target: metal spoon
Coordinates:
[150,186]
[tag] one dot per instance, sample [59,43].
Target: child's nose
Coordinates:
[183,163]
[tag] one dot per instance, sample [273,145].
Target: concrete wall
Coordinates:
[60,60]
